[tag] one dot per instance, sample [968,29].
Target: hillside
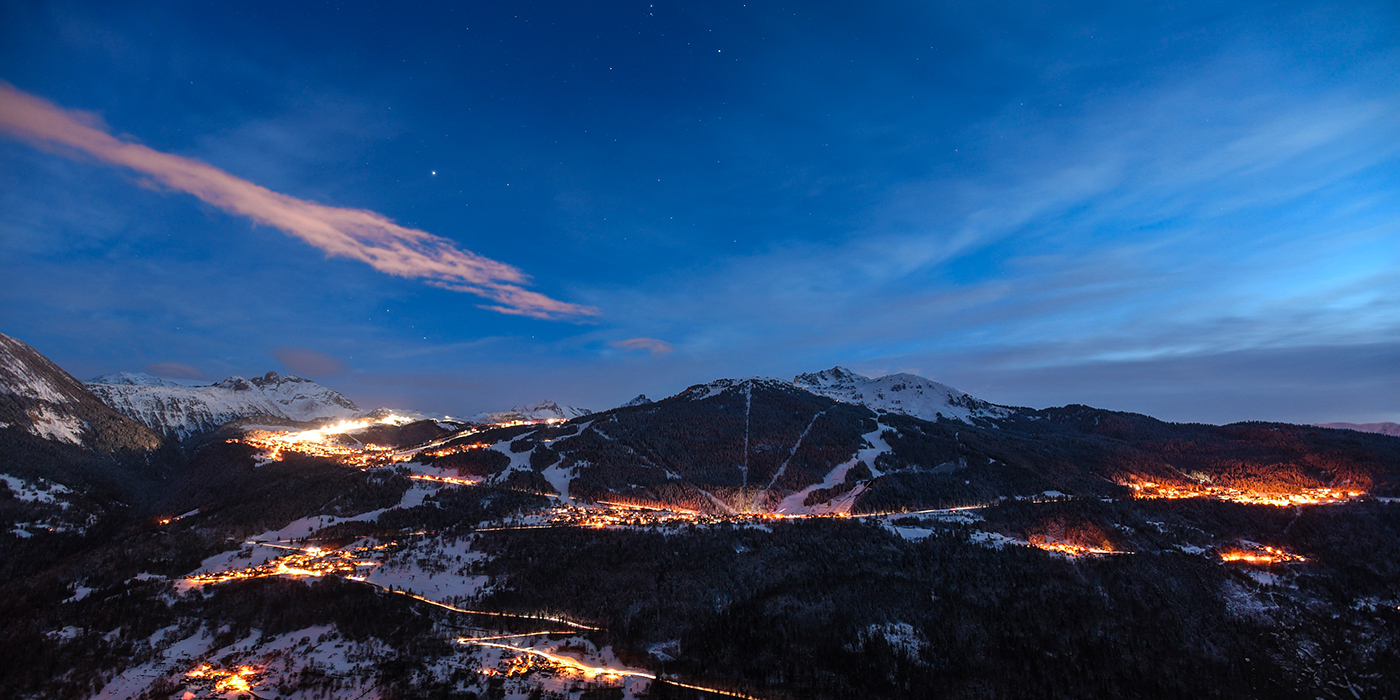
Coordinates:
[181,411]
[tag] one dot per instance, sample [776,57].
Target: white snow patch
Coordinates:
[250,555]
[51,425]
[899,393]
[37,491]
[175,658]
[435,568]
[794,503]
[538,411]
[995,540]
[901,636]
[68,632]
[911,533]
[185,410]
[559,478]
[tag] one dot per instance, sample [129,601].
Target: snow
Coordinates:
[52,425]
[1263,578]
[560,684]
[445,577]
[559,478]
[138,379]
[995,540]
[68,632]
[911,533]
[908,394]
[17,377]
[174,658]
[794,504]
[300,528]
[39,491]
[185,410]
[901,636]
[283,659]
[538,411]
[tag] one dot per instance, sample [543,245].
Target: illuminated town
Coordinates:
[239,679]
[1260,554]
[1302,497]
[311,561]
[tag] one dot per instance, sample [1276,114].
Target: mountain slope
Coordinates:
[39,398]
[1392,429]
[908,394]
[182,411]
[540,410]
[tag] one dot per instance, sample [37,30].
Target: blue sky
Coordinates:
[1187,210]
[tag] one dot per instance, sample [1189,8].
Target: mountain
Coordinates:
[773,446]
[137,379]
[182,411]
[538,411]
[68,462]
[273,569]
[38,398]
[908,394]
[640,400]
[1379,428]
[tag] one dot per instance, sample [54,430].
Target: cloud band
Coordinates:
[351,233]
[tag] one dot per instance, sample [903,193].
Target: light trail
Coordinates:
[490,613]
[464,640]
[455,481]
[595,671]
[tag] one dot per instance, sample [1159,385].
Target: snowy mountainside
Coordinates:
[908,394]
[39,398]
[137,379]
[540,410]
[1378,428]
[182,411]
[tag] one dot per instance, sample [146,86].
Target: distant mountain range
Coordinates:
[180,411]
[826,440]
[540,410]
[1379,428]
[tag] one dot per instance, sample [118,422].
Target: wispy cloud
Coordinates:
[308,362]
[174,370]
[361,235]
[651,345]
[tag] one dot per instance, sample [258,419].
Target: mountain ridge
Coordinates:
[182,411]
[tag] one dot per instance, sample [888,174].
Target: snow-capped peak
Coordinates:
[538,411]
[183,411]
[641,400]
[135,379]
[904,393]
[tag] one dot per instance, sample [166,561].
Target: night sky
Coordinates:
[1185,209]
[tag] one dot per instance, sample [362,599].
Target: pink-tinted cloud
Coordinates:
[352,233]
[307,362]
[651,345]
[174,370]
